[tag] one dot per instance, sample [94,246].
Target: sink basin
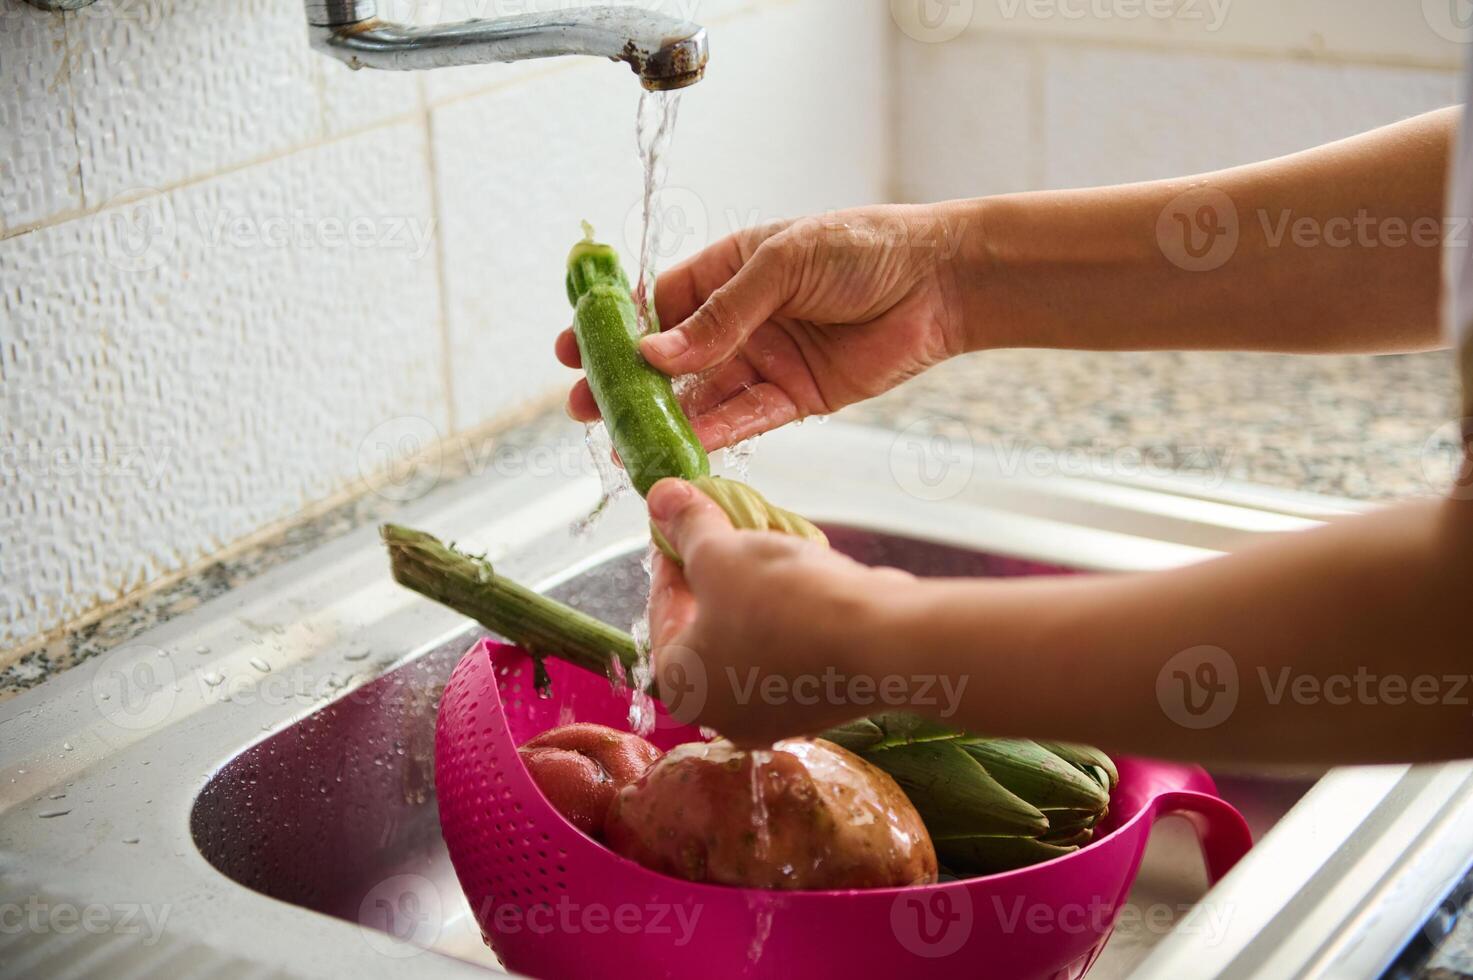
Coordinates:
[257,773]
[336,813]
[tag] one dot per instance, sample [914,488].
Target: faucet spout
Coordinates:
[666,53]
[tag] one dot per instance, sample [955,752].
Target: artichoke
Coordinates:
[990,804]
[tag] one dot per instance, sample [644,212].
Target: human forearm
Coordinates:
[1329,633]
[1336,250]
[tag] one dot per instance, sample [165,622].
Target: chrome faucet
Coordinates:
[665,52]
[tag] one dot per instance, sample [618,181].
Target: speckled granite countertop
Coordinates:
[1356,427]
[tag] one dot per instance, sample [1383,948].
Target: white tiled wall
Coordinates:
[38,146]
[1006,100]
[231,269]
[228,264]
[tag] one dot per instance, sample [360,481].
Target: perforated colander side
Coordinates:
[506,844]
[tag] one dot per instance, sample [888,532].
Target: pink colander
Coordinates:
[554,903]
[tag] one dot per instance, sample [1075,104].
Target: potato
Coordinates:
[580,767]
[814,817]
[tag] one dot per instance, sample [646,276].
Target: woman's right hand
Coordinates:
[801,318]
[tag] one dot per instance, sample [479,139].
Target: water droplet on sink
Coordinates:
[356,655]
[57,796]
[201,650]
[48,814]
[213,679]
[130,840]
[67,746]
[261,665]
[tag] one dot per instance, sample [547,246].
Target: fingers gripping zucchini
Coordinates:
[649,429]
[748,510]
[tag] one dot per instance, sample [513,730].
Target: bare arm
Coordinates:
[1332,250]
[1335,249]
[1351,643]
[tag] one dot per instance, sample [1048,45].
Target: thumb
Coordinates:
[685,516]
[724,321]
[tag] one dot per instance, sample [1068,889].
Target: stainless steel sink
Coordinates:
[257,775]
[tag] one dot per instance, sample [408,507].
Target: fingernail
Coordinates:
[667,498]
[668,345]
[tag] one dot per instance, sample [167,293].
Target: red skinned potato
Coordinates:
[814,817]
[580,767]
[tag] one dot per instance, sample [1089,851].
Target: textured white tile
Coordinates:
[777,130]
[1433,32]
[968,126]
[357,99]
[515,177]
[38,146]
[172,89]
[1118,115]
[519,167]
[177,373]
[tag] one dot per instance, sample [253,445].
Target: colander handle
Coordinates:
[1221,830]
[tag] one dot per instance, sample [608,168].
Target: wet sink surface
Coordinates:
[337,812]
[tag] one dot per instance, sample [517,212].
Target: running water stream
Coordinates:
[654,130]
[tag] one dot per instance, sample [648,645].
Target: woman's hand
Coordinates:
[759,635]
[801,318]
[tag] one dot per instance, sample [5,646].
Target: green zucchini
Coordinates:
[648,427]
